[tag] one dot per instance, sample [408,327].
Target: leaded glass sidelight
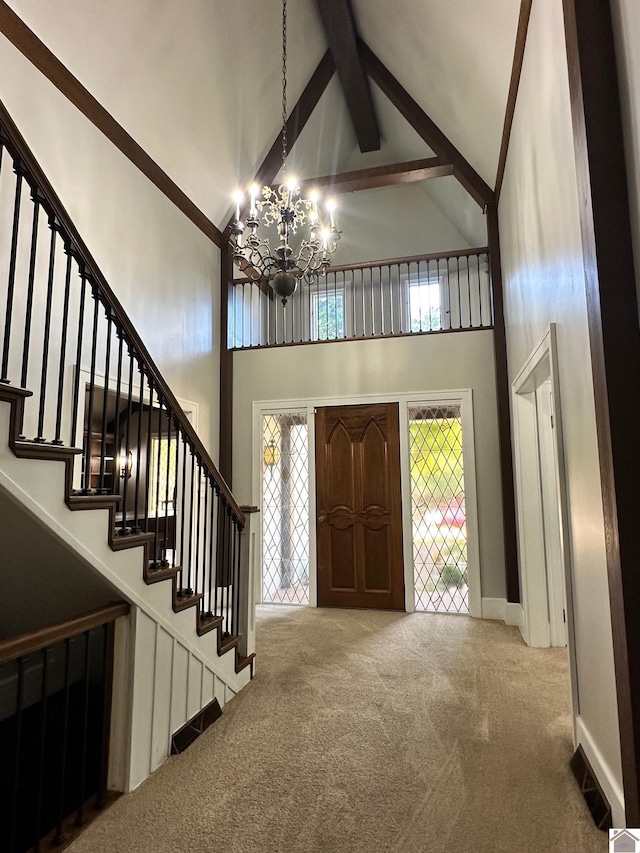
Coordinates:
[439,525]
[285,508]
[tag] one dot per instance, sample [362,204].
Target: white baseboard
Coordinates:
[514,614]
[607,780]
[502,610]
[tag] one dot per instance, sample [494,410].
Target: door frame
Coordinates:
[461,397]
[539,368]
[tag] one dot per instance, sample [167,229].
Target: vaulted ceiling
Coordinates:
[197,84]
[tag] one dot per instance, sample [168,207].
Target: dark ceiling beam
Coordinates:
[516,71]
[339,26]
[425,127]
[299,116]
[50,66]
[381,176]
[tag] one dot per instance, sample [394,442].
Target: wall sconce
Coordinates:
[126,464]
[271,454]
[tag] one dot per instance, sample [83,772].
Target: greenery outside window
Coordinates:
[327,315]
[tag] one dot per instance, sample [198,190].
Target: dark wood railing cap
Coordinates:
[391,262]
[33,641]
[18,148]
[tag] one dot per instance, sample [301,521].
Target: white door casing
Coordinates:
[541,502]
[460,397]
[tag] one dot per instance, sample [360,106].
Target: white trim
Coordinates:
[259,411]
[502,610]
[494,608]
[514,614]
[462,397]
[541,366]
[603,772]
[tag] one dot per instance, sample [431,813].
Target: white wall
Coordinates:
[354,368]
[170,686]
[393,222]
[542,264]
[162,268]
[37,568]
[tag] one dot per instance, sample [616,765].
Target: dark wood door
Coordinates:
[359,524]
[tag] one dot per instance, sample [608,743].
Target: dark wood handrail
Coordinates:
[25,644]
[389,262]
[17,146]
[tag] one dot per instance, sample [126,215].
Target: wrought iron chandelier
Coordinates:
[283,266]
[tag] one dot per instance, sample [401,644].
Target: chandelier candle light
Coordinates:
[283,267]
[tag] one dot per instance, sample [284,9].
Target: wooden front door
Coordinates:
[359,524]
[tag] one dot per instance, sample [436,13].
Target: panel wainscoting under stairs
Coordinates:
[165,669]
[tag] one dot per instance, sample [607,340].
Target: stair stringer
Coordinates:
[38,486]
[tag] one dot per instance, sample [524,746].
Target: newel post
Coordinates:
[248,575]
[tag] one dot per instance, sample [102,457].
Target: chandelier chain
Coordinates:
[284,86]
[284,265]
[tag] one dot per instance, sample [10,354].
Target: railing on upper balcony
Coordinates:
[404,296]
[65,337]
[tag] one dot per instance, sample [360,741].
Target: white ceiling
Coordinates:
[197,83]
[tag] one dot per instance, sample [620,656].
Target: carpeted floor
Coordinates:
[372,731]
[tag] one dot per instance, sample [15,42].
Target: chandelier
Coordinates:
[283,207]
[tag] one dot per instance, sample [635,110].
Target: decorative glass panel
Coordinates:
[438,509]
[285,509]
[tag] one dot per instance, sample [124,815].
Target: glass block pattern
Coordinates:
[285,509]
[438,509]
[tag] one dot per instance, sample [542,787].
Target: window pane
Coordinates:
[285,509]
[438,509]
[327,318]
[425,306]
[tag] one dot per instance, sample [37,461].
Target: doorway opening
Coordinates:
[438,509]
[541,491]
[285,508]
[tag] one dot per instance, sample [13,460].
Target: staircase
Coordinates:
[96,447]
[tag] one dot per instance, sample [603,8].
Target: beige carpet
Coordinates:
[372,731]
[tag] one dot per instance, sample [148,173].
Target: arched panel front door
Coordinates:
[359,504]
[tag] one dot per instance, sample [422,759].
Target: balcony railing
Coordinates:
[404,296]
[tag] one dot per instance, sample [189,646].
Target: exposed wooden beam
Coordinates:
[614,337]
[503,393]
[299,116]
[44,60]
[516,71]
[425,127]
[382,176]
[339,26]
